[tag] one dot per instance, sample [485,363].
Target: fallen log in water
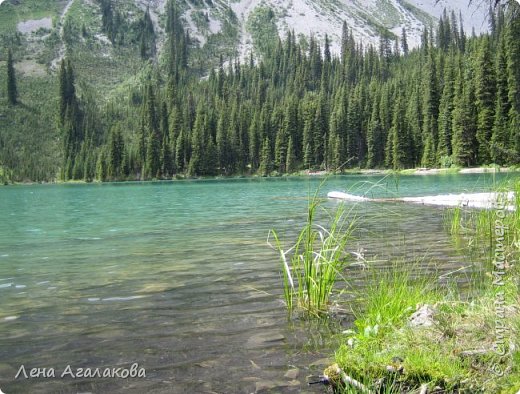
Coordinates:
[469,200]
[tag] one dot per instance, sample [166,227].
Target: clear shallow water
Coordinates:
[178,277]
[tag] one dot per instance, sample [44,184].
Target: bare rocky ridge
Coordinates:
[320,17]
[305,17]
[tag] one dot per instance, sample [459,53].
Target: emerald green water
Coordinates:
[178,277]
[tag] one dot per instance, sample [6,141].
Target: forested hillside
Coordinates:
[453,101]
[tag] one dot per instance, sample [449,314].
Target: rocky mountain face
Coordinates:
[367,19]
[235,28]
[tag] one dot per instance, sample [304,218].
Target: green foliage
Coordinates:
[400,139]
[477,227]
[147,46]
[500,149]
[446,106]
[464,120]
[266,162]
[390,297]
[381,334]
[262,26]
[485,99]
[430,112]
[383,342]
[70,123]
[311,266]
[12,91]
[513,76]
[455,350]
[28,149]
[117,149]
[450,102]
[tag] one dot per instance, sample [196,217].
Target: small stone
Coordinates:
[263,339]
[292,374]
[255,365]
[264,385]
[294,383]
[423,317]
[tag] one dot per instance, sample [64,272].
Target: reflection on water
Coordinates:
[178,278]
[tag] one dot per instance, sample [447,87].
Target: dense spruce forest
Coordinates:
[453,101]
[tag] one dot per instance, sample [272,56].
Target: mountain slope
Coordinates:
[224,26]
[367,18]
[111,71]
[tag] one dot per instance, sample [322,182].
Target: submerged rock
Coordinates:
[321,362]
[266,385]
[292,374]
[264,339]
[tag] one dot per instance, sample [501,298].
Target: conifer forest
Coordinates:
[291,106]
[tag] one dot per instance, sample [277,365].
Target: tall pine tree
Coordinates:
[485,95]
[12,91]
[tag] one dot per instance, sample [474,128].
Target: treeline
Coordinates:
[455,100]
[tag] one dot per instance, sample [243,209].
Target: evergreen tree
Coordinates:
[280,150]
[70,123]
[431,112]
[254,142]
[320,130]
[152,163]
[375,143]
[385,116]
[455,32]
[200,144]
[181,152]
[308,112]
[265,161]
[335,147]
[223,145]
[414,121]
[485,100]
[404,42]
[101,171]
[107,19]
[500,147]
[444,149]
[462,35]
[116,153]
[513,75]
[12,91]
[400,140]
[147,36]
[291,159]
[464,121]
[63,85]
[353,126]
[344,40]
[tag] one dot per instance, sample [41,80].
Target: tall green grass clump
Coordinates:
[477,226]
[455,220]
[391,296]
[311,266]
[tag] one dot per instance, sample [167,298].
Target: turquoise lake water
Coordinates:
[178,277]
